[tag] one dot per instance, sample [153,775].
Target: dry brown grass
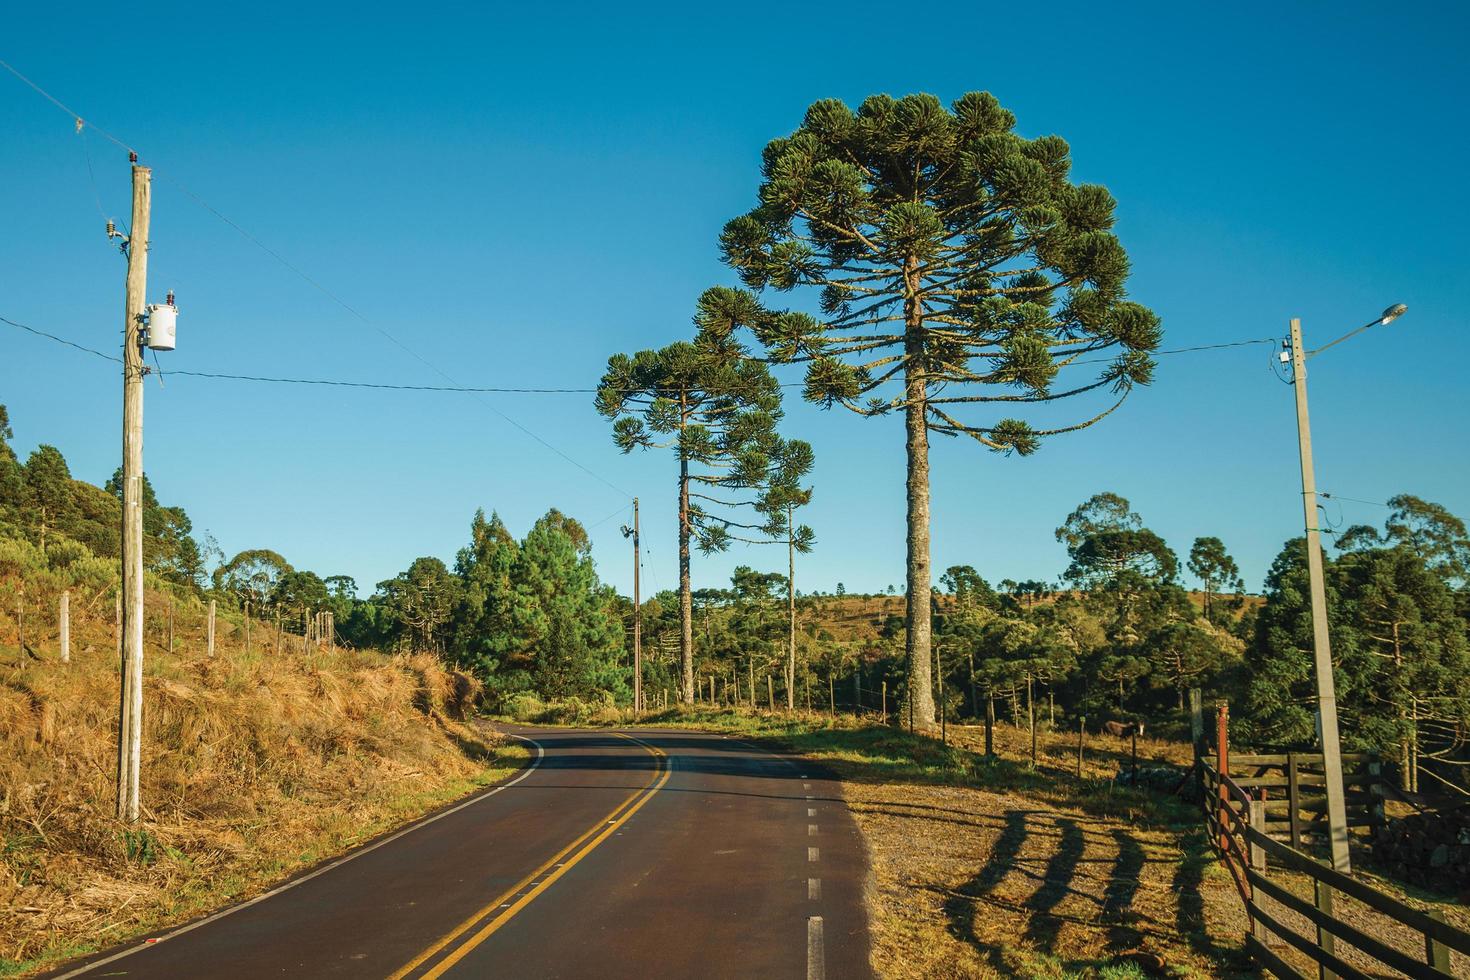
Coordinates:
[1046,875]
[255,766]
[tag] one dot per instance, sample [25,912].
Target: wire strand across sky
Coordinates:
[454,385]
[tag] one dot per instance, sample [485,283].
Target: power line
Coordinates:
[1189,350]
[474,393]
[1334,496]
[61,340]
[457,388]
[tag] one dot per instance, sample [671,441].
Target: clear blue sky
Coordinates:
[516,195]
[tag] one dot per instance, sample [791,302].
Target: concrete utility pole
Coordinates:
[130,727]
[1321,643]
[637,612]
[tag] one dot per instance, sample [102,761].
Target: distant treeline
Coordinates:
[1118,634]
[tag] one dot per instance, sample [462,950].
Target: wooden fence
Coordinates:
[1294,788]
[1244,826]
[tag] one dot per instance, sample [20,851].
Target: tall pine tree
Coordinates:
[718,412]
[956,262]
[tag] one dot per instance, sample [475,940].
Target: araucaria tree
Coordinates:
[718,412]
[956,260]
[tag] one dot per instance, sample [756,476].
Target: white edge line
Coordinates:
[540,753]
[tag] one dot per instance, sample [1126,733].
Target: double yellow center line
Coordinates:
[460,941]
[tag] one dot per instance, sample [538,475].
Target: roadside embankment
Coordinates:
[255,766]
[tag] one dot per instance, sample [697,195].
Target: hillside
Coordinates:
[255,766]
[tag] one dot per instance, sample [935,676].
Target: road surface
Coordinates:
[644,854]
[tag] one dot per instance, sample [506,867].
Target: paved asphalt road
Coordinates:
[647,854]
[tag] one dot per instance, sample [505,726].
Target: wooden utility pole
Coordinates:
[790,613]
[130,720]
[65,640]
[1321,644]
[209,629]
[637,613]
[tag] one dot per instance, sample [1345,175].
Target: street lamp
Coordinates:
[1321,645]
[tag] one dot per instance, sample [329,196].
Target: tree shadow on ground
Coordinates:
[1122,888]
[1056,882]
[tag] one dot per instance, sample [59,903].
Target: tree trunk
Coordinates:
[686,599]
[917,443]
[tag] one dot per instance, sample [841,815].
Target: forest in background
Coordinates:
[1117,635]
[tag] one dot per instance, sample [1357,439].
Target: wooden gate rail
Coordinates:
[1241,836]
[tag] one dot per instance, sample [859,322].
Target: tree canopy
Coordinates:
[957,268]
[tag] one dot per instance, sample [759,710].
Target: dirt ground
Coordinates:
[981,882]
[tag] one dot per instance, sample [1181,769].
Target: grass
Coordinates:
[256,766]
[987,867]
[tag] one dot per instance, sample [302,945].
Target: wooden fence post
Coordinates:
[1081,740]
[1222,762]
[1326,942]
[117,621]
[1375,790]
[1031,719]
[1197,724]
[1294,798]
[1258,864]
[209,629]
[65,626]
[1436,953]
[247,627]
[770,693]
[990,725]
[20,621]
[885,702]
[331,632]
[170,624]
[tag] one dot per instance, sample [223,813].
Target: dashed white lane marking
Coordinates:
[806,785]
[811,830]
[816,954]
[814,889]
[811,811]
[813,854]
[810,797]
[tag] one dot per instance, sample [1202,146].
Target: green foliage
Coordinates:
[1108,545]
[946,249]
[169,548]
[1399,650]
[1212,565]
